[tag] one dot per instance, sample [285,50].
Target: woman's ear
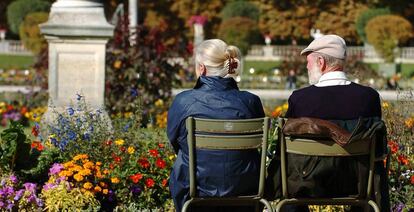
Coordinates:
[202,71]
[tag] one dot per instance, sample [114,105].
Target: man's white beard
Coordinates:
[314,74]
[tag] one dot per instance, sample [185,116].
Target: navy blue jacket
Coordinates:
[219,172]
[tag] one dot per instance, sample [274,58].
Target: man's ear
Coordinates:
[321,63]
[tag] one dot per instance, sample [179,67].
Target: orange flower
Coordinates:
[117,64]
[136,178]
[105,191]
[160,163]
[153,152]
[97,189]
[144,163]
[161,145]
[164,182]
[149,183]
[37,145]
[115,180]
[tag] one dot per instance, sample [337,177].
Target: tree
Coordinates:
[30,32]
[240,9]
[287,20]
[239,31]
[341,19]
[386,32]
[364,17]
[17,10]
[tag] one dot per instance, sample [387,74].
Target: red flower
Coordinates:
[35,131]
[37,145]
[122,148]
[153,152]
[149,182]
[136,178]
[393,146]
[9,107]
[412,179]
[117,159]
[160,163]
[160,145]
[108,142]
[111,166]
[23,110]
[144,163]
[402,159]
[165,181]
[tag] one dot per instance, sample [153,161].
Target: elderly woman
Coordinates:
[215,96]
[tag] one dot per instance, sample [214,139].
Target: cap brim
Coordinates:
[306,51]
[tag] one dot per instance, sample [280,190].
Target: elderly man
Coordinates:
[333,97]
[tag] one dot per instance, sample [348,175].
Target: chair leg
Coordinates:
[267,204]
[186,205]
[374,205]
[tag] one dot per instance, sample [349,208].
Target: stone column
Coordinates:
[77,33]
[133,21]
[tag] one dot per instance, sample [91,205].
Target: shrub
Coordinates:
[240,9]
[30,32]
[17,11]
[387,32]
[239,31]
[366,16]
[144,73]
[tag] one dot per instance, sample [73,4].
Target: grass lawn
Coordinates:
[15,61]
[260,66]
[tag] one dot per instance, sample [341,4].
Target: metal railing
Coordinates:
[14,47]
[365,53]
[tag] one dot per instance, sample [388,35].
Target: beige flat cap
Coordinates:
[331,45]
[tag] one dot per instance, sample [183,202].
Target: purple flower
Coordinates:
[1,204]
[8,190]
[56,168]
[136,189]
[10,206]
[30,187]
[13,179]
[71,111]
[78,97]
[19,194]
[48,186]
[39,202]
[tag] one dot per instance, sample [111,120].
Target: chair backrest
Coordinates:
[317,147]
[219,134]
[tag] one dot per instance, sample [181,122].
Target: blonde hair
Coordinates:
[219,58]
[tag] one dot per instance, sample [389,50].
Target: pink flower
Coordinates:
[197,19]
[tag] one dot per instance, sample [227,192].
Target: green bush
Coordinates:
[387,32]
[366,16]
[240,9]
[30,32]
[239,31]
[17,11]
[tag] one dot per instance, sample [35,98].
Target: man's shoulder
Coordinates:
[365,89]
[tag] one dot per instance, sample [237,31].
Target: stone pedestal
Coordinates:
[77,33]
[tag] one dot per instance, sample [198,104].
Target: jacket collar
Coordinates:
[216,83]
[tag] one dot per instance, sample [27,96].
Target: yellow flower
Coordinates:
[285,106]
[98,163]
[117,64]
[102,184]
[2,104]
[114,180]
[171,157]
[106,171]
[105,191]
[78,177]
[88,165]
[119,142]
[409,122]
[85,172]
[131,150]
[80,156]
[87,185]
[97,189]
[385,105]
[128,114]
[159,103]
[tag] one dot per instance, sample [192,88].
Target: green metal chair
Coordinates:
[225,135]
[325,148]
